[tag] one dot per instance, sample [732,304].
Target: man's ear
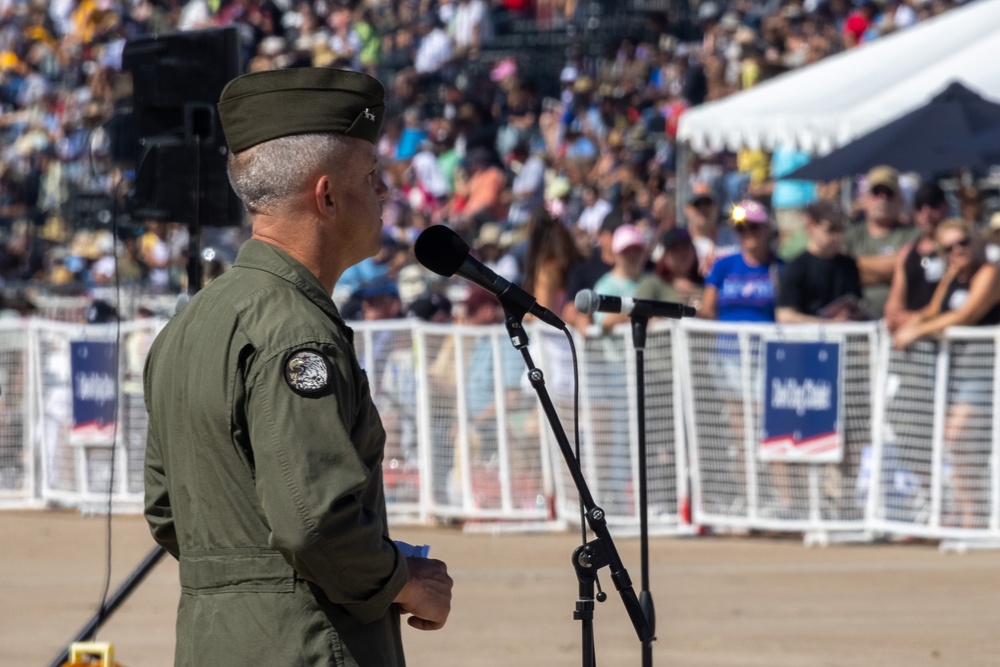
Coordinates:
[323,196]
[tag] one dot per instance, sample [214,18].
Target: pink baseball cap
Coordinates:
[627,236]
[503,69]
[749,211]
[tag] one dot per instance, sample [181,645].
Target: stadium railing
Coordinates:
[466,438]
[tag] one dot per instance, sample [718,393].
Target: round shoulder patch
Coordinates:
[307,372]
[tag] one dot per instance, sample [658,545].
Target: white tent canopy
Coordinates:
[822,106]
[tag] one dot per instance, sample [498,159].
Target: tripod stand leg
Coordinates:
[119,596]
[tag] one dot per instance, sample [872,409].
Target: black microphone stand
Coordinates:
[599,552]
[645,596]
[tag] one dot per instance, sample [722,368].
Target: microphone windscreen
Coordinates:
[441,250]
[586,301]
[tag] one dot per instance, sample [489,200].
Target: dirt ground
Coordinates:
[719,601]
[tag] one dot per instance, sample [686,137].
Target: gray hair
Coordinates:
[265,175]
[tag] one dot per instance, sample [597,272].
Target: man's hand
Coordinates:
[427,594]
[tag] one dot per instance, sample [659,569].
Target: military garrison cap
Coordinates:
[261,106]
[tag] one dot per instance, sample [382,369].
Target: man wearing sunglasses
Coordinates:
[873,243]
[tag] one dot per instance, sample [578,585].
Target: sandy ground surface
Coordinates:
[719,601]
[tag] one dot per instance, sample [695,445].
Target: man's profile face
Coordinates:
[358,191]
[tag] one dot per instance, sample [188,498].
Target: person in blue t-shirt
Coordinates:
[744,288]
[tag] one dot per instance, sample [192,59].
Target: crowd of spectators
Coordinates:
[559,185]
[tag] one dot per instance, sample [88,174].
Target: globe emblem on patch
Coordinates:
[307,372]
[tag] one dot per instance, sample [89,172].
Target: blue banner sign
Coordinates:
[95,391]
[802,402]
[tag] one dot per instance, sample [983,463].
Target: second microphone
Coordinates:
[590,302]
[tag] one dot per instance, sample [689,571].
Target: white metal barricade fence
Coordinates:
[41,459]
[610,430]
[462,433]
[18,483]
[467,438]
[936,462]
[732,487]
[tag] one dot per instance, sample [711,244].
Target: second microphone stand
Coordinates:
[645,596]
[599,552]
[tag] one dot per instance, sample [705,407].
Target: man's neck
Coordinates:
[305,245]
[879,229]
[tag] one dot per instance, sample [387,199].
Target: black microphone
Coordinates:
[445,253]
[589,302]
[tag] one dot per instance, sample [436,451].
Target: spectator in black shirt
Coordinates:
[820,275]
[919,267]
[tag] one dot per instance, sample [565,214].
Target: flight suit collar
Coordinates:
[265,257]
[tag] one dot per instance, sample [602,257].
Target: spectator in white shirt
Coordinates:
[528,188]
[471,27]
[594,210]
[427,170]
[434,52]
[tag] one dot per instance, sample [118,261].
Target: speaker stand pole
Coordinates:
[194,273]
[194,268]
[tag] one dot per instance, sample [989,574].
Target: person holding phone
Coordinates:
[822,283]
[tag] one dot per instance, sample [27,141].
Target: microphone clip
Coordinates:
[514,321]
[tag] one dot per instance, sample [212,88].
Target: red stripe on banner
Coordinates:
[819,439]
[92,432]
[814,445]
[822,447]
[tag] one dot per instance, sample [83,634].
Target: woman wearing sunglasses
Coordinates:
[969,291]
[968,294]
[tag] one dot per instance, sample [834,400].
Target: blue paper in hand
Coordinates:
[412,550]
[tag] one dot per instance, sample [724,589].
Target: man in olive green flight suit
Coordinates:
[263,462]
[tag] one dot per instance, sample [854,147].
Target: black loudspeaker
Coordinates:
[177,144]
